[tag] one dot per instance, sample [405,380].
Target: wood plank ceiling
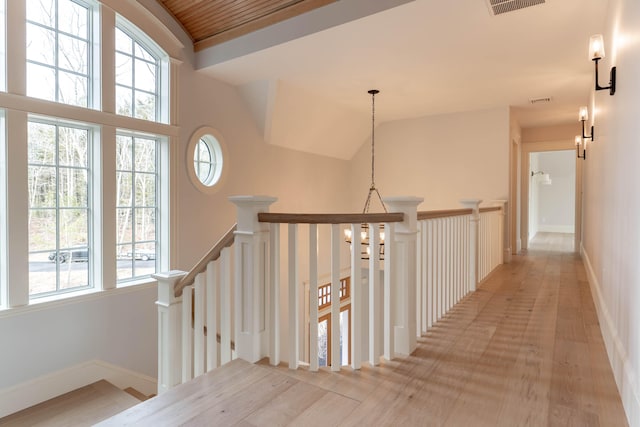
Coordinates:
[210,22]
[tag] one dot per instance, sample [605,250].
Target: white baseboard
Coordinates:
[32,392]
[623,371]
[556,228]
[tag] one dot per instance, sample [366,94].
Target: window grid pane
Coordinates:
[58,51]
[137,73]
[136,198]
[59,215]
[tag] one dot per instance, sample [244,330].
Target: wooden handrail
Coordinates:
[490,209]
[212,255]
[443,213]
[341,218]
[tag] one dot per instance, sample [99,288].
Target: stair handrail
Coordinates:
[444,213]
[331,218]
[213,254]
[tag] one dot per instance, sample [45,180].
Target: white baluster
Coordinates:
[389,296]
[375,322]
[294,309]
[423,260]
[212,315]
[274,295]
[313,297]
[356,298]
[198,325]
[187,334]
[431,288]
[225,306]
[336,361]
[419,292]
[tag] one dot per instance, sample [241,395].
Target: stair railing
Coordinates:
[431,261]
[457,250]
[194,316]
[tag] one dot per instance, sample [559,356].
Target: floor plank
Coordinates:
[82,407]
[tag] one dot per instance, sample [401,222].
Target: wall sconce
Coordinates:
[583,116]
[580,141]
[596,53]
[546,178]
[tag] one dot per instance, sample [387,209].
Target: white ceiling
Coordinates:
[426,57]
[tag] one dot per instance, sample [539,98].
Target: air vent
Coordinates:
[535,101]
[498,7]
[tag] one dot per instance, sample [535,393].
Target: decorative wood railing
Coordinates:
[431,261]
[457,249]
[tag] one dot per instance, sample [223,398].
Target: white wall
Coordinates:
[611,240]
[442,158]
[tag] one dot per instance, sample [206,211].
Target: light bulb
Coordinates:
[363,236]
[578,140]
[596,47]
[584,114]
[347,233]
[382,236]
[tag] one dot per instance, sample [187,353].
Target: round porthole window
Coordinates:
[205,159]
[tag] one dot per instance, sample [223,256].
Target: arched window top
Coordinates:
[141,74]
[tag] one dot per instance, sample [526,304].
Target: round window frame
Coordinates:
[212,138]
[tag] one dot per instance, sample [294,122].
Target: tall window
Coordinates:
[59,199]
[59,51]
[136,198]
[137,83]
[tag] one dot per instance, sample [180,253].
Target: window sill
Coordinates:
[77,297]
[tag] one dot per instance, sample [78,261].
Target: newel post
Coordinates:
[403,275]
[252,277]
[169,330]
[474,222]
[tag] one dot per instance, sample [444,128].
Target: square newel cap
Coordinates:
[248,209]
[471,203]
[407,205]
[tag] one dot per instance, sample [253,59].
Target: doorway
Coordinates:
[551,198]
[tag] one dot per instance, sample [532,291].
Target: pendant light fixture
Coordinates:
[373,191]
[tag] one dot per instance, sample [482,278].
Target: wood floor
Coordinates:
[523,350]
[82,407]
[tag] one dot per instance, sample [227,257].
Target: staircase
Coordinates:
[85,406]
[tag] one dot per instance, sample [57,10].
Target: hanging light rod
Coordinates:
[364,233]
[596,53]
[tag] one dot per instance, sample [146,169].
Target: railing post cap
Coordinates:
[245,200]
[172,275]
[405,200]
[471,203]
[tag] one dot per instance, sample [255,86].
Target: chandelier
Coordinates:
[364,233]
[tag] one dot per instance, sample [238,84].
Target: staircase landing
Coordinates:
[525,349]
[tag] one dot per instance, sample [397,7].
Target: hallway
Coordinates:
[525,349]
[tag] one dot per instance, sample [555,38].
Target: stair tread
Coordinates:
[84,406]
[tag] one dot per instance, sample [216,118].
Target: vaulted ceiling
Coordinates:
[305,77]
[211,22]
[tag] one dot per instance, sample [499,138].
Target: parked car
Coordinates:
[72,255]
[141,255]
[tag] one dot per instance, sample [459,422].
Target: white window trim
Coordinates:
[190,155]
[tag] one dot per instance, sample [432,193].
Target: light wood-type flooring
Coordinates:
[523,350]
[82,407]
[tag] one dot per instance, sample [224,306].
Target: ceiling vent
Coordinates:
[535,101]
[498,7]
